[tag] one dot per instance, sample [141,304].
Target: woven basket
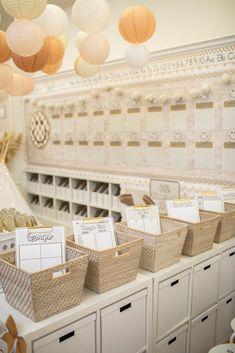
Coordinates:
[159,251]
[38,295]
[226,227]
[111,268]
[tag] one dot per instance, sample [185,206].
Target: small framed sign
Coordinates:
[162,190]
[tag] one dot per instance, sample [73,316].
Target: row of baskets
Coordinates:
[41,295]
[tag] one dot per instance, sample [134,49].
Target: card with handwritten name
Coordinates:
[145,218]
[183,209]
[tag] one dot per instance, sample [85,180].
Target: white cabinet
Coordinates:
[174,343]
[124,325]
[227,276]
[203,332]
[225,314]
[205,285]
[79,337]
[172,305]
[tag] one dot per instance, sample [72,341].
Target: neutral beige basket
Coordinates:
[226,227]
[159,251]
[200,236]
[111,268]
[39,295]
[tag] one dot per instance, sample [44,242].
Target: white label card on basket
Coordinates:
[145,218]
[211,201]
[229,194]
[183,209]
[3,346]
[39,248]
[95,233]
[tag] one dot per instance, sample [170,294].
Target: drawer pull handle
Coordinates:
[229,301]
[204,318]
[174,283]
[207,267]
[125,307]
[67,336]
[232,253]
[171,341]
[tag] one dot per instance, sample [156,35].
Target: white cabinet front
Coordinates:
[227,277]
[225,314]
[175,343]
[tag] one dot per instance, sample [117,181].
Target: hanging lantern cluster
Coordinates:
[35,41]
[137,24]
[91,17]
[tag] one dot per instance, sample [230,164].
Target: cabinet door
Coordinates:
[175,343]
[225,314]
[227,277]
[78,337]
[123,325]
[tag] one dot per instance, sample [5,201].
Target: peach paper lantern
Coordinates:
[31,63]
[20,86]
[84,69]
[79,38]
[5,52]
[52,69]
[24,8]
[25,37]
[137,24]
[3,95]
[94,49]
[55,50]
[6,76]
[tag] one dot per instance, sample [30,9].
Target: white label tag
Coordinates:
[3,346]
[145,218]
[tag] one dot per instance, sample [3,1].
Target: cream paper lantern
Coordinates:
[91,15]
[84,69]
[53,21]
[25,37]
[20,86]
[137,56]
[6,75]
[64,39]
[79,38]
[3,95]
[24,8]
[94,49]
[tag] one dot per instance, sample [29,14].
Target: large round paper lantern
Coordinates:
[94,49]
[52,69]
[31,63]
[84,69]
[25,37]
[3,95]
[55,50]
[24,8]
[91,15]
[6,75]
[79,38]
[5,52]
[137,56]
[53,21]
[137,24]
[20,86]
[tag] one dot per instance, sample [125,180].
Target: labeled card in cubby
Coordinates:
[115,120]
[204,116]
[229,156]
[229,115]
[183,209]
[145,218]
[155,155]
[178,117]
[154,119]
[133,119]
[204,155]
[178,155]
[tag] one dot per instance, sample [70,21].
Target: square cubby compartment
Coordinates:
[47,185]
[80,191]
[62,188]
[98,212]
[63,211]
[79,211]
[33,182]
[47,208]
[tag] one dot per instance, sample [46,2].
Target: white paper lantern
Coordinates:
[3,95]
[91,15]
[53,21]
[84,69]
[6,75]
[24,37]
[94,49]
[20,86]
[24,8]
[79,38]
[137,56]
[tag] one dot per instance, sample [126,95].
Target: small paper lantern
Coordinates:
[3,95]
[79,38]
[91,15]
[53,21]
[55,50]
[64,39]
[94,49]
[84,69]
[24,8]
[25,37]
[6,75]
[137,24]
[52,69]
[20,86]
[31,63]
[137,56]
[5,52]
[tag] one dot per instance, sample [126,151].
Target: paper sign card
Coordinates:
[184,209]
[39,248]
[162,190]
[95,233]
[211,201]
[145,218]
[228,194]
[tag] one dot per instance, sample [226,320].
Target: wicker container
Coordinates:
[163,250]
[111,268]
[39,295]
[226,227]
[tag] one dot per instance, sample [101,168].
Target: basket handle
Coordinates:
[116,255]
[58,273]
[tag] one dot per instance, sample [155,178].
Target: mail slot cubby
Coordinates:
[172,303]
[174,343]
[63,211]
[115,193]
[79,211]
[47,208]
[227,276]
[47,185]
[80,191]
[98,212]
[33,182]
[34,201]
[62,188]
[205,285]
[124,325]
[117,217]
[99,194]
[225,314]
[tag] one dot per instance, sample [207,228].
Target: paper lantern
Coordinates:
[5,52]
[31,63]
[137,24]
[53,21]
[55,50]
[137,56]
[20,86]
[94,49]
[84,69]
[91,15]
[64,39]
[52,69]
[24,8]
[3,95]
[79,38]
[25,37]
[6,75]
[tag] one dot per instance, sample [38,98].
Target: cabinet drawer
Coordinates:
[123,325]
[205,285]
[203,332]
[175,343]
[74,338]
[227,277]
[173,303]
[225,314]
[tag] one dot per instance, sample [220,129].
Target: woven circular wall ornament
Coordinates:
[5,52]
[39,129]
